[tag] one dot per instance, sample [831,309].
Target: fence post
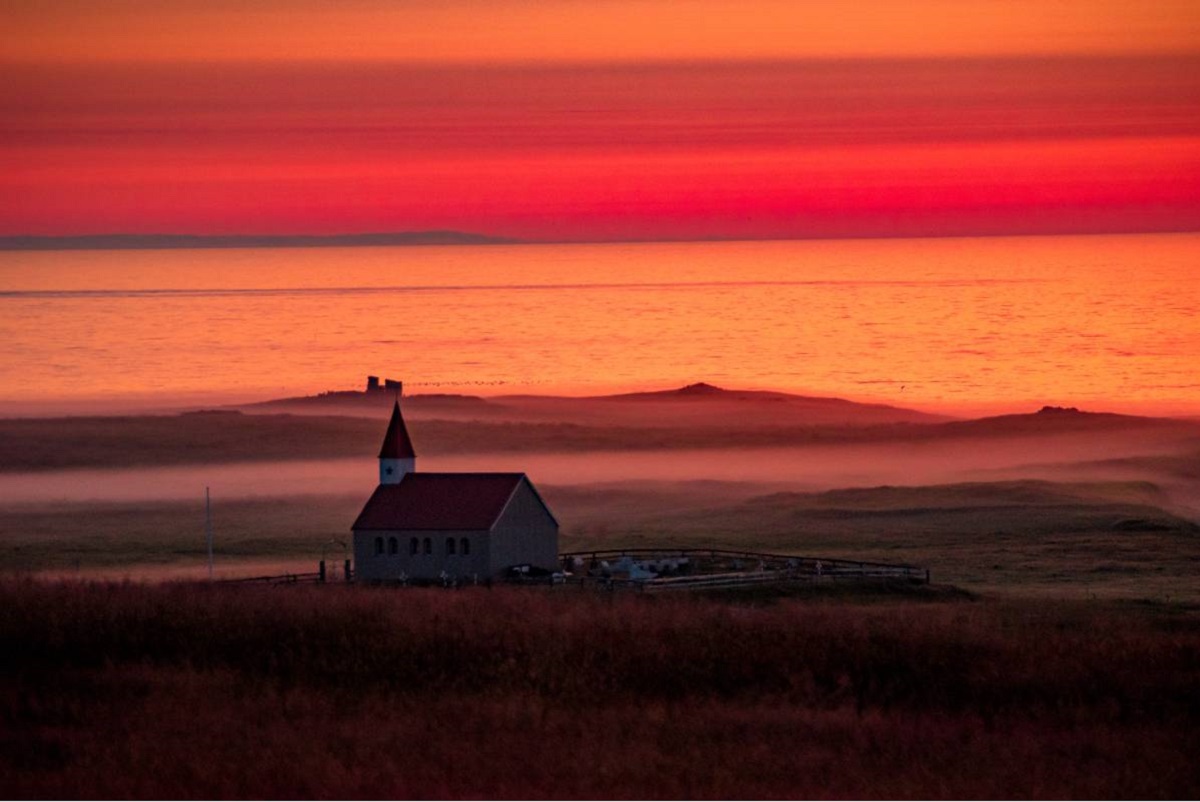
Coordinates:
[321,572]
[346,571]
[926,576]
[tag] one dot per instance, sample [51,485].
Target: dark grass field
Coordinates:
[193,691]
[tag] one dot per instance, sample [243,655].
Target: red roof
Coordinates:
[465,501]
[396,444]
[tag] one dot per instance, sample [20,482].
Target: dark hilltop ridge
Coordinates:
[709,406]
[87,242]
[1064,420]
[695,404]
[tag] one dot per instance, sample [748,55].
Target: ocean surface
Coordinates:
[968,324]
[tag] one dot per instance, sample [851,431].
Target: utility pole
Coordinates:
[208,531]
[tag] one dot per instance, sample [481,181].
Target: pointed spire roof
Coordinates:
[396,444]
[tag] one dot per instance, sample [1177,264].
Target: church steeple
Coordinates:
[396,455]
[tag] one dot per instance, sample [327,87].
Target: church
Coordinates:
[448,526]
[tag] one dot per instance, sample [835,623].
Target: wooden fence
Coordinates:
[737,568]
[734,568]
[745,567]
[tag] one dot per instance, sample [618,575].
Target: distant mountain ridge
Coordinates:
[693,404]
[157,241]
[1056,419]
[703,391]
[705,406]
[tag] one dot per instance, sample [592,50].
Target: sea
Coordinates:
[955,324]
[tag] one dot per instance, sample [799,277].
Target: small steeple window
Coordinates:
[428,544]
[465,547]
[393,546]
[378,546]
[414,546]
[450,545]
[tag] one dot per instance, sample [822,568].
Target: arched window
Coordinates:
[428,546]
[449,545]
[379,545]
[465,547]
[393,546]
[414,546]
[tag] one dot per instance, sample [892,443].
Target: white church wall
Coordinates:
[389,567]
[525,533]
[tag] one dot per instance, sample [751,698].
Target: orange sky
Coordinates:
[600,119]
[588,30]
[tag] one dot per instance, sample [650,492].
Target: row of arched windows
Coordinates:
[424,546]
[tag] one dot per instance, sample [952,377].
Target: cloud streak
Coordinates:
[780,149]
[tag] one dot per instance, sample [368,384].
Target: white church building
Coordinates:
[436,526]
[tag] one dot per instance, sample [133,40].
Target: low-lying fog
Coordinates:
[802,468]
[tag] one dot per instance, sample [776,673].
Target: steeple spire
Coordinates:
[396,444]
[396,455]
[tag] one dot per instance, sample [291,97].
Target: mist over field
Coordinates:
[820,467]
[1059,502]
[696,433]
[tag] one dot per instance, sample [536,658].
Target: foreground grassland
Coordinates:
[1063,540]
[193,691]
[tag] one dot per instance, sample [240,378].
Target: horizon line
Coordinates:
[455,237]
[1191,52]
